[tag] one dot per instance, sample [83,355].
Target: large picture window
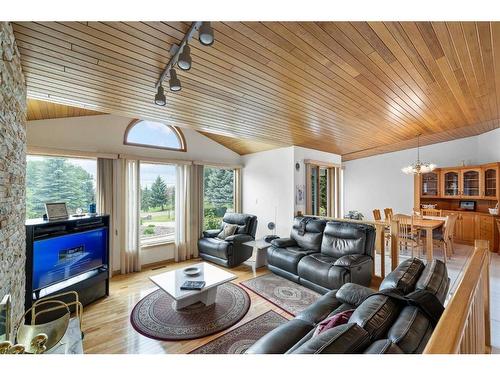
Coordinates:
[218,195]
[157,217]
[59,179]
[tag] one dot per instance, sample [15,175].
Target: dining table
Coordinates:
[427,224]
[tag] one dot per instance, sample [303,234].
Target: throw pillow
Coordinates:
[228,230]
[333,321]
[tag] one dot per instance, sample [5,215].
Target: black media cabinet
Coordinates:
[90,285]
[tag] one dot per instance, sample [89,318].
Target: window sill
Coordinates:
[155,243]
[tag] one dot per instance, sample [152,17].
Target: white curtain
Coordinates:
[130,259]
[105,197]
[237,190]
[188,211]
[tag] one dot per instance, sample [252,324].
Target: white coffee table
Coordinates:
[171,282]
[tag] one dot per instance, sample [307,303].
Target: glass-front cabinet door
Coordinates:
[471,182]
[430,184]
[490,176]
[451,183]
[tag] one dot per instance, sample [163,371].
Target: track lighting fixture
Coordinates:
[174,82]
[181,55]
[206,34]
[184,61]
[160,97]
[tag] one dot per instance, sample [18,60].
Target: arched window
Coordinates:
[155,135]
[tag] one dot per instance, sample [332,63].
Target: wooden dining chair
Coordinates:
[431,212]
[388,213]
[445,238]
[408,235]
[376,214]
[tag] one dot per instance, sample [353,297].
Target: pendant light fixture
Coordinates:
[418,167]
[160,98]
[174,82]
[184,61]
[206,34]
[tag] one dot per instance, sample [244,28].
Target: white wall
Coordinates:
[489,146]
[377,181]
[268,188]
[104,134]
[269,182]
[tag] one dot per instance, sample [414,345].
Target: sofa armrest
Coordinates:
[211,233]
[283,242]
[320,309]
[349,261]
[239,238]
[353,294]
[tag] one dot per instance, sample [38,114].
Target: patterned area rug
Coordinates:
[287,295]
[154,316]
[240,339]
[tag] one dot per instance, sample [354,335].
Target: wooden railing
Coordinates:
[464,327]
[381,252]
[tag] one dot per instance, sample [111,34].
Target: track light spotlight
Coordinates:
[184,61]
[206,34]
[160,97]
[174,82]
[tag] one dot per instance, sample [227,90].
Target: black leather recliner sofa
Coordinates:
[379,324]
[231,251]
[324,255]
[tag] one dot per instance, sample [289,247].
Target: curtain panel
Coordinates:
[237,190]
[188,211]
[130,259]
[105,199]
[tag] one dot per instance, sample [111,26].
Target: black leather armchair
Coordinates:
[324,255]
[230,252]
[378,325]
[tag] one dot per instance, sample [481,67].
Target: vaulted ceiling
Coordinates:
[352,88]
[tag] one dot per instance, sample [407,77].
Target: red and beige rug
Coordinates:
[287,295]
[155,317]
[241,338]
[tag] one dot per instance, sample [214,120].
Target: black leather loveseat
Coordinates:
[379,324]
[324,255]
[229,252]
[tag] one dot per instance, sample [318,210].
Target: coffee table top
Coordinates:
[171,281]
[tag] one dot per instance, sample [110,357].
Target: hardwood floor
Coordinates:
[106,323]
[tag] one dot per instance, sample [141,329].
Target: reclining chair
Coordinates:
[231,251]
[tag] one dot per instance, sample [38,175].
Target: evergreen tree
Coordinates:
[218,185]
[145,199]
[57,180]
[158,193]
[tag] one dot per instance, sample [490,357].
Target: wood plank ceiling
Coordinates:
[42,110]
[352,88]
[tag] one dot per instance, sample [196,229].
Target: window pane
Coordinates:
[218,195]
[157,203]
[54,179]
[156,134]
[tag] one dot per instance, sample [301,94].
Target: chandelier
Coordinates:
[419,167]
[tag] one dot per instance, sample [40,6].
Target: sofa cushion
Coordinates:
[245,222]
[344,339]
[319,269]
[343,238]
[383,347]
[411,330]
[286,258]
[434,279]
[353,294]
[404,277]
[311,239]
[376,314]
[215,247]
[227,230]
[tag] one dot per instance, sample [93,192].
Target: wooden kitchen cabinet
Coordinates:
[490,181]
[450,183]
[429,184]
[470,185]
